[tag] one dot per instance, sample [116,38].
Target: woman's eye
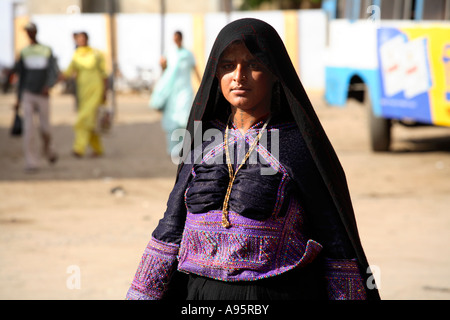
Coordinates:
[228,66]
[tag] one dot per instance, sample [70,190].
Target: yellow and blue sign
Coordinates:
[414,69]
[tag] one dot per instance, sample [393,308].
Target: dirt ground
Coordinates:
[76,230]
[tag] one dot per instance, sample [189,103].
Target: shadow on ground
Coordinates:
[428,144]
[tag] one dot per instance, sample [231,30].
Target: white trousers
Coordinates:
[35,104]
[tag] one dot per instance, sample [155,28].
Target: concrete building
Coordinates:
[136,35]
[129,6]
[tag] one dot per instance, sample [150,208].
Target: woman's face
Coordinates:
[245,83]
[80,40]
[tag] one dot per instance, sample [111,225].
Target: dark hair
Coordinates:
[84,33]
[179,34]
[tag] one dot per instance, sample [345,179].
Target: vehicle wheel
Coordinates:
[379,129]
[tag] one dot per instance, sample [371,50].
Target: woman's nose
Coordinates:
[239,73]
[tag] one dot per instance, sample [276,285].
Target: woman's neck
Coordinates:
[244,120]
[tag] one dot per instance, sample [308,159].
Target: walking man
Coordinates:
[38,72]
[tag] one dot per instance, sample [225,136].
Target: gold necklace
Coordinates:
[225,220]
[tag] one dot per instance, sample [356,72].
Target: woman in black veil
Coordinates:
[261,210]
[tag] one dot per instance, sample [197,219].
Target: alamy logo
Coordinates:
[74,280]
[266,153]
[374,13]
[374,280]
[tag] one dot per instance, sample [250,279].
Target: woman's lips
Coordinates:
[240,90]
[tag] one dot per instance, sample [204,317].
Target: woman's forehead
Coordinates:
[236,48]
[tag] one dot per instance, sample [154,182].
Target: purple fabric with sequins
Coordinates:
[248,250]
[154,271]
[344,281]
[255,246]
[267,236]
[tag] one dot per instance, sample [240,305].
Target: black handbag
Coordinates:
[16,129]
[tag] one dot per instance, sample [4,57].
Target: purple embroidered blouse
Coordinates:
[271,229]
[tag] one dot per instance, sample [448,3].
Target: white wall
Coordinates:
[7,33]
[57,32]
[138,42]
[312,32]
[139,37]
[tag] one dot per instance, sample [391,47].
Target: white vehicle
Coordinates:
[393,56]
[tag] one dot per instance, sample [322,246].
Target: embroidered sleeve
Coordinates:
[344,281]
[154,271]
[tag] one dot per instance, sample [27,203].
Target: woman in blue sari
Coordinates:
[173,94]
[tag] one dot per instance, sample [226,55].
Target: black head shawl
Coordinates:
[264,43]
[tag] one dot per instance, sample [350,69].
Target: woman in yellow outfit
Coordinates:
[88,65]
